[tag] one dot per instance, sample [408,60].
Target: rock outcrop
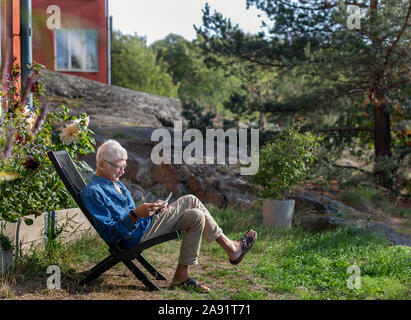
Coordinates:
[220,185]
[108,105]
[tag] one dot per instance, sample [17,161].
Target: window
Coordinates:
[76,50]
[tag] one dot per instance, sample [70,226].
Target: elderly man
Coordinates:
[118,220]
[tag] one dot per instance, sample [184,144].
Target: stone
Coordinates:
[74,222]
[110,104]
[321,203]
[31,235]
[321,223]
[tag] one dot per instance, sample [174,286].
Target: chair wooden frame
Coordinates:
[74,183]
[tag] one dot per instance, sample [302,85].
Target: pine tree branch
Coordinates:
[323,6]
[380,74]
[390,50]
[399,83]
[351,167]
[349,129]
[244,57]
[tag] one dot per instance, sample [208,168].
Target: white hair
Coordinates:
[112,151]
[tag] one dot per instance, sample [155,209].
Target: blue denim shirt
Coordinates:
[110,210]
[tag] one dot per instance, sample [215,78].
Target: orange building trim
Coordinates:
[10,33]
[16,31]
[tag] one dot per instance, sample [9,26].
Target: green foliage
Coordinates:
[196,80]
[325,66]
[39,188]
[313,39]
[135,66]
[53,231]
[284,163]
[196,116]
[29,183]
[5,243]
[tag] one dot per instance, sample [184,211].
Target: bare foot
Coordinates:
[190,283]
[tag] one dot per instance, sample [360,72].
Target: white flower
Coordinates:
[85,122]
[31,121]
[26,111]
[71,133]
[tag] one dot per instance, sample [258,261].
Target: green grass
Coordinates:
[314,266]
[87,250]
[319,263]
[372,198]
[284,264]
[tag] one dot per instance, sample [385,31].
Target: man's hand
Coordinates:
[147,209]
[163,206]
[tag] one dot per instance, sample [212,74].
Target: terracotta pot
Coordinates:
[278,213]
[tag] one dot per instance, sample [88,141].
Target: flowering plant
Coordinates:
[28,181]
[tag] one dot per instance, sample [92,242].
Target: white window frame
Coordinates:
[69,51]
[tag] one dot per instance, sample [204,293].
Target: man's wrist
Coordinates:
[133,214]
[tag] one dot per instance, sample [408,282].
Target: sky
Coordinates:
[155,19]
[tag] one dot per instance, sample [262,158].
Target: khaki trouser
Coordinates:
[186,214]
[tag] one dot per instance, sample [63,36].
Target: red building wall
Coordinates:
[10,29]
[75,14]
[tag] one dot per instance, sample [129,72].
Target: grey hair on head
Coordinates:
[111,150]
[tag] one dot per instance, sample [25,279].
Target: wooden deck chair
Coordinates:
[74,183]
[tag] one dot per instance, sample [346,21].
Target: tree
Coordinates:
[196,81]
[135,66]
[367,66]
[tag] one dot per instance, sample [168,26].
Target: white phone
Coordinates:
[163,202]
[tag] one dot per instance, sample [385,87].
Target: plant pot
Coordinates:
[6,260]
[278,213]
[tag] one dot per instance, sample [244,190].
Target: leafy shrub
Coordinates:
[5,243]
[285,162]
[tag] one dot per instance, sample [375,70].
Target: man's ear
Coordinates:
[100,164]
